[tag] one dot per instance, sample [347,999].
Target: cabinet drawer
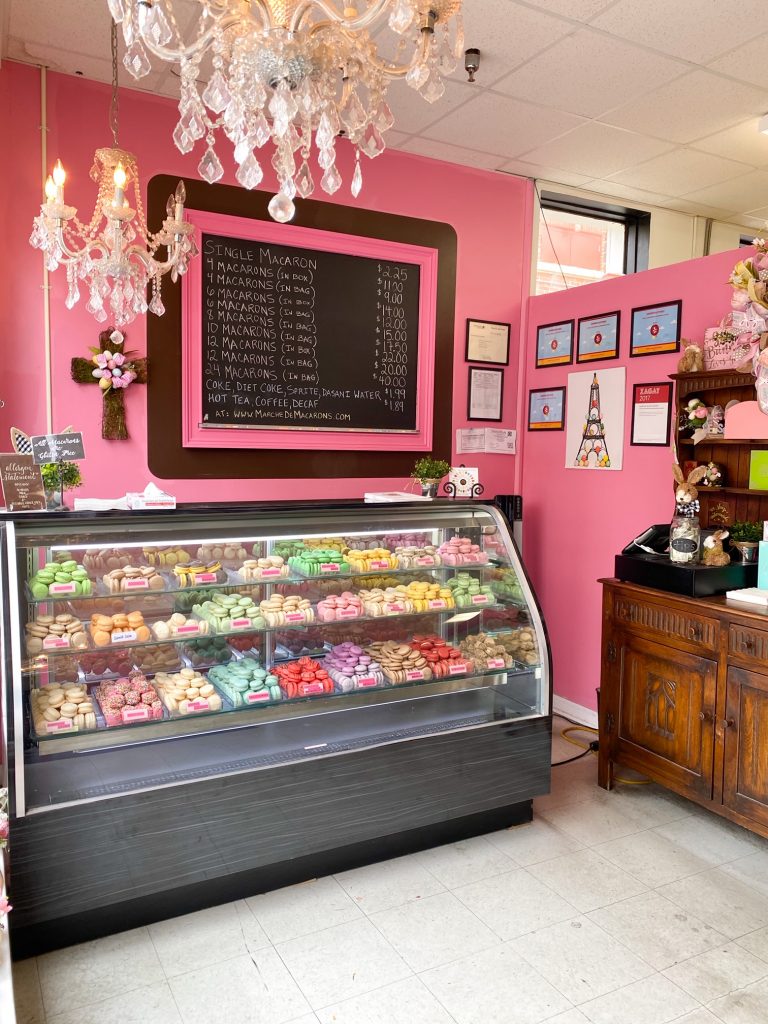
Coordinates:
[748,644]
[660,621]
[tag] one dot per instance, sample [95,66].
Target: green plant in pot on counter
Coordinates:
[745,536]
[59,477]
[429,472]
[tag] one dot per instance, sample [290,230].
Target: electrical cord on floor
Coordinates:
[591,748]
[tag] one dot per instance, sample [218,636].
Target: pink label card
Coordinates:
[496,663]
[198,704]
[395,607]
[363,681]
[481,599]
[347,613]
[425,560]
[62,588]
[457,668]
[379,563]
[60,725]
[267,573]
[309,688]
[120,636]
[437,602]
[256,697]
[137,584]
[295,617]
[241,623]
[190,627]
[329,567]
[205,577]
[55,641]
[140,714]
[414,673]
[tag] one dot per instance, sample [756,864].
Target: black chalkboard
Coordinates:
[303,338]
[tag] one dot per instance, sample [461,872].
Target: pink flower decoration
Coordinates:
[3,828]
[101,360]
[128,376]
[739,299]
[700,413]
[118,358]
[5,906]
[760,261]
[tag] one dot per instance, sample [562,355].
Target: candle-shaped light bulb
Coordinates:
[119,178]
[59,175]
[50,189]
[180,197]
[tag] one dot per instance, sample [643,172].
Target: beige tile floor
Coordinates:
[631,907]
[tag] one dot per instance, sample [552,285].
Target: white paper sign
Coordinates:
[470,439]
[500,442]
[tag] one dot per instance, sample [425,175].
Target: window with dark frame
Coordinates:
[582,241]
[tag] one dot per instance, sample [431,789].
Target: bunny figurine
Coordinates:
[713,549]
[686,493]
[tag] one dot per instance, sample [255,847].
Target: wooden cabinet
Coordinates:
[684,698]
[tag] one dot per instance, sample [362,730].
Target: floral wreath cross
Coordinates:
[113,370]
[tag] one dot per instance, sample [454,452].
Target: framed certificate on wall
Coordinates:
[598,337]
[484,401]
[487,342]
[554,344]
[656,329]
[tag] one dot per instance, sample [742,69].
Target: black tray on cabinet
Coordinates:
[690,580]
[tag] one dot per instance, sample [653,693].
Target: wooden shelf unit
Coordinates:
[735,500]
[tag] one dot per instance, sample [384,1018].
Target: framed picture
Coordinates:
[546,409]
[485,394]
[598,337]
[656,329]
[554,344]
[651,414]
[594,421]
[487,342]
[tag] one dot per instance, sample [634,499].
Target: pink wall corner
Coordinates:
[577,520]
[488,212]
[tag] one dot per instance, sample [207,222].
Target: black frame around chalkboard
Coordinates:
[167,456]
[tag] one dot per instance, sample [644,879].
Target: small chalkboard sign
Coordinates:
[22,482]
[48,448]
[306,339]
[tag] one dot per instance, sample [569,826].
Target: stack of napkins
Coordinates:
[749,595]
[150,498]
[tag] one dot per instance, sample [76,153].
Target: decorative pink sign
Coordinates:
[191,627]
[205,577]
[457,668]
[496,663]
[395,607]
[138,584]
[140,714]
[295,617]
[346,613]
[55,641]
[425,560]
[437,602]
[414,673]
[267,573]
[364,681]
[62,588]
[379,563]
[256,697]
[60,725]
[198,704]
[307,689]
[241,623]
[195,435]
[480,599]
[329,567]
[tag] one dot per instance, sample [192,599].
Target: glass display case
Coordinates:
[159,650]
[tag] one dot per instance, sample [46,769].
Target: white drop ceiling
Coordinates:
[648,101]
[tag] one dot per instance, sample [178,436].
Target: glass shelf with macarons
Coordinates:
[173,628]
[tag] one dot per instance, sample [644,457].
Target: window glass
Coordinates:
[575,249]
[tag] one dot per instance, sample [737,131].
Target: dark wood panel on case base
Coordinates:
[167,457]
[735,501]
[96,868]
[684,697]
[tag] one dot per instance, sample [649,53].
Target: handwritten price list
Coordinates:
[307,339]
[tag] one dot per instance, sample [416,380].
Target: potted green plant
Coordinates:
[745,537]
[57,478]
[429,472]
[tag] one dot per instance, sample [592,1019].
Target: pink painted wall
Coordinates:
[490,212]
[577,520]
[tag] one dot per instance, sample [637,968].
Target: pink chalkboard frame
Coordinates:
[194,436]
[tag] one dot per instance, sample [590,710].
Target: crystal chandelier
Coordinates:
[285,70]
[115,254]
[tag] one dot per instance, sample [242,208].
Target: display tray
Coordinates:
[690,580]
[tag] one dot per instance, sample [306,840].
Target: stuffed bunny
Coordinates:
[713,549]
[691,361]
[685,492]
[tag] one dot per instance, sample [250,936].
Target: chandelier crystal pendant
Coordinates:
[290,72]
[114,255]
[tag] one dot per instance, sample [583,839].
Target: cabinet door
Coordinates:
[745,730]
[665,720]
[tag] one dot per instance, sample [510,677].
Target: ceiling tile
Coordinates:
[500,124]
[452,154]
[413,113]
[507,34]
[597,150]
[541,173]
[742,142]
[690,107]
[578,10]
[747,62]
[78,25]
[696,30]
[616,190]
[759,214]
[588,73]
[750,221]
[699,209]
[747,192]
[680,172]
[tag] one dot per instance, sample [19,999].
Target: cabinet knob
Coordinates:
[706,716]
[727,723]
[749,644]
[695,632]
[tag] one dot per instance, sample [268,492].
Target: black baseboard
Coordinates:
[32,940]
